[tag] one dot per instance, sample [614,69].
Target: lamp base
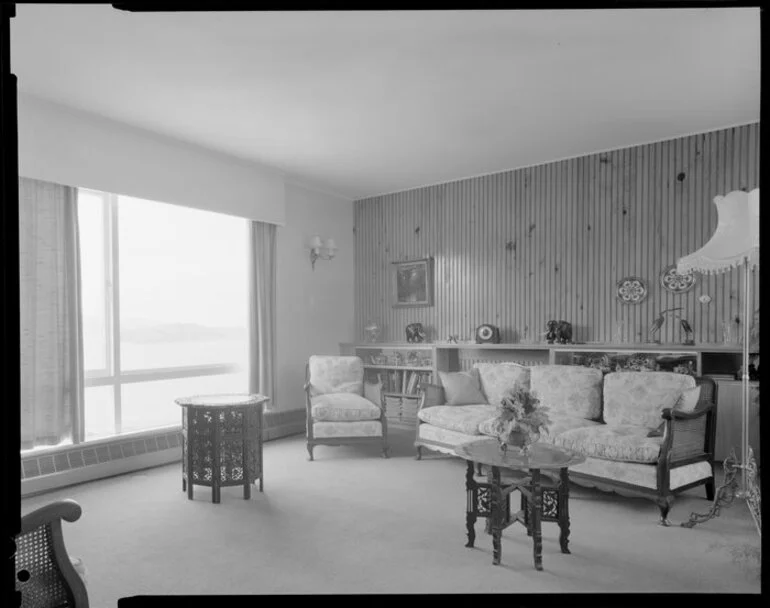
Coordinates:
[730,490]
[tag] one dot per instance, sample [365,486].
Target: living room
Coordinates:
[256,209]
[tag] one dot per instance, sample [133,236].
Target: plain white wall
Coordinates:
[315,307]
[66,146]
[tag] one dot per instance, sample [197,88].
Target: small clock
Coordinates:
[487,334]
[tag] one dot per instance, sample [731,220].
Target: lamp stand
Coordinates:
[747,489]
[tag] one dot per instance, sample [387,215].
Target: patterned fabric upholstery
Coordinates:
[497,379]
[618,443]
[360,428]
[639,474]
[429,432]
[637,398]
[561,423]
[342,407]
[461,418]
[333,374]
[570,389]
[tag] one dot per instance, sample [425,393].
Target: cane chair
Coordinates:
[45,574]
[337,411]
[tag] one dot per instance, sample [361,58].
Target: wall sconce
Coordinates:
[324,250]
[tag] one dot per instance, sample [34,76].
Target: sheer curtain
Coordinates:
[262,282]
[51,322]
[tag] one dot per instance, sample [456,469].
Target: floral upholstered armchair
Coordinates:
[337,411]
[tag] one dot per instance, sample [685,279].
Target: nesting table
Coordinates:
[222,442]
[541,499]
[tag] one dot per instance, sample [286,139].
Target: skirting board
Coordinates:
[88,462]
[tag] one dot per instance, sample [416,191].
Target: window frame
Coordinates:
[113,375]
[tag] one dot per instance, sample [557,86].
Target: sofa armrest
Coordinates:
[430,395]
[691,434]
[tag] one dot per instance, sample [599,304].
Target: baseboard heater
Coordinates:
[95,460]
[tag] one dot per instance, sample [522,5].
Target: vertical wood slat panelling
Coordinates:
[520,247]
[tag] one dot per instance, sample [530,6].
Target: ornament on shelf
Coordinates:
[372,330]
[559,332]
[415,333]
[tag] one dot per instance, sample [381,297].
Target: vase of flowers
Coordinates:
[520,420]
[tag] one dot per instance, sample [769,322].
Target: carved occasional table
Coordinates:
[541,499]
[221,442]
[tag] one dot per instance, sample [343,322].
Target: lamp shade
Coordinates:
[315,242]
[736,239]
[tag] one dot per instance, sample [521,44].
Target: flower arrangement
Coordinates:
[520,418]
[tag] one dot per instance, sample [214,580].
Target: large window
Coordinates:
[165,303]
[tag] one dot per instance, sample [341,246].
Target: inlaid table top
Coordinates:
[221,400]
[541,455]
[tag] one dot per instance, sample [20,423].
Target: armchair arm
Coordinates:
[66,509]
[430,395]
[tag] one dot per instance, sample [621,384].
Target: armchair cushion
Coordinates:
[619,443]
[357,428]
[569,389]
[498,379]
[639,398]
[341,407]
[462,418]
[333,374]
[462,388]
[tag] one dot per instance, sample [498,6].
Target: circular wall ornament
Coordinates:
[631,290]
[704,299]
[674,282]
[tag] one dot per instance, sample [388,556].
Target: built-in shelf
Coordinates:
[410,368]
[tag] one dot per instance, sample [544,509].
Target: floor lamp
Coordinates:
[735,243]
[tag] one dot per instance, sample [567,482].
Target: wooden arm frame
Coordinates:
[52,515]
[313,441]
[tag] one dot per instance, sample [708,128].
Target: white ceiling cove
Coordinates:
[367,102]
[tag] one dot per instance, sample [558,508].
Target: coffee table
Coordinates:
[493,498]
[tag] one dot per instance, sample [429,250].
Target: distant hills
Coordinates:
[143,331]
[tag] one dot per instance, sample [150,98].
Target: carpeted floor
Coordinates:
[353,522]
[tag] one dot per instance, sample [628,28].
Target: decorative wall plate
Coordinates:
[631,290]
[674,282]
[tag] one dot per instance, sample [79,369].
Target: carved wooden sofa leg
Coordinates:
[418,455]
[710,486]
[310,451]
[664,503]
[385,450]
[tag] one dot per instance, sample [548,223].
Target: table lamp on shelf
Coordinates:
[734,243]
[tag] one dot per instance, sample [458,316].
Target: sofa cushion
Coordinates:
[498,379]
[637,473]
[638,398]
[688,400]
[570,389]
[462,388]
[561,422]
[342,407]
[335,374]
[462,418]
[621,443]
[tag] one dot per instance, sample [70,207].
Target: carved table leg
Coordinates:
[496,515]
[537,510]
[470,508]
[564,510]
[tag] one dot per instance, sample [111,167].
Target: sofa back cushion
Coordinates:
[568,389]
[335,374]
[499,379]
[462,388]
[638,398]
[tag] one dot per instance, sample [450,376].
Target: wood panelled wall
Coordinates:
[551,242]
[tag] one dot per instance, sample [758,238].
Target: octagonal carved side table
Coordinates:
[222,442]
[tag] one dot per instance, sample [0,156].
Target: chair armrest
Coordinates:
[430,395]
[701,409]
[66,509]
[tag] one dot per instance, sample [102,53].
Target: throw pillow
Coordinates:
[688,400]
[659,431]
[462,388]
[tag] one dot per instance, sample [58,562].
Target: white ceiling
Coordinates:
[365,103]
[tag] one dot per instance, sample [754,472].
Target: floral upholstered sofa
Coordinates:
[645,434]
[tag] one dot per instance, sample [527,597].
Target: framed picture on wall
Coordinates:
[413,283]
